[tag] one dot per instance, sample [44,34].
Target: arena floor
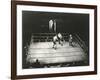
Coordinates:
[45,53]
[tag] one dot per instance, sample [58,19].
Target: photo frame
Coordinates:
[35,52]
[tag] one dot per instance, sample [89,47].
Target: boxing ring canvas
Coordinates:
[53,39]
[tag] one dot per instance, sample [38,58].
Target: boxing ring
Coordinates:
[46,54]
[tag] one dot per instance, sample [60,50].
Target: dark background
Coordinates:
[38,22]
